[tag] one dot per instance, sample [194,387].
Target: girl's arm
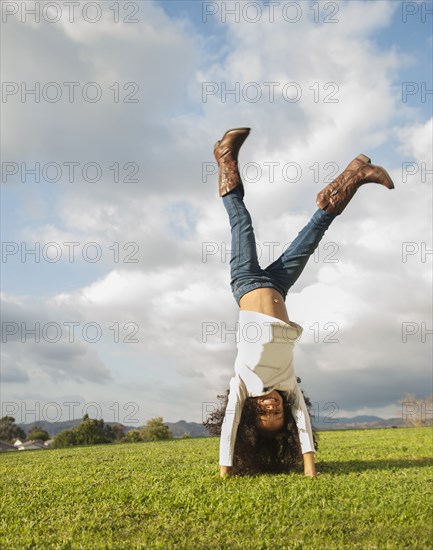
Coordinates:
[230,424]
[303,423]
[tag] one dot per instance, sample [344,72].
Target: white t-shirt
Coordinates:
[264,363]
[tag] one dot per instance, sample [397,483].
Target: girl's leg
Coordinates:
[287,268]
[245,270]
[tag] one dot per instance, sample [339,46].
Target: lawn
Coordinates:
[374,491]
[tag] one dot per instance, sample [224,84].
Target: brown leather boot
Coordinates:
[336,196]
[226,153]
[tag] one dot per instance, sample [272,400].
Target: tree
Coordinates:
[38,433]
[155,430]
[89,432]
[66,438]
[415,411]
[133,436]
[116,431]
[9,431]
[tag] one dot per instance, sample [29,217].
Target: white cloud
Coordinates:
[178,292]
[416,140]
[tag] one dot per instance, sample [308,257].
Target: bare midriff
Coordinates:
[265,300]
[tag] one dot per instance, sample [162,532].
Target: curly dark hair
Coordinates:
[256,452]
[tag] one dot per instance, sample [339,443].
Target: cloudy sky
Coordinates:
[115,244]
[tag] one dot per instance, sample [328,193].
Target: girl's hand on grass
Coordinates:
[309,467]
[225,471]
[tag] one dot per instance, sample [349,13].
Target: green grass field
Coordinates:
[374,491]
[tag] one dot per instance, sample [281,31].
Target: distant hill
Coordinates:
[178,429]
[53,428]
[195,429]
[358,422]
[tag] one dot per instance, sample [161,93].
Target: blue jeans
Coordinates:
[246,273]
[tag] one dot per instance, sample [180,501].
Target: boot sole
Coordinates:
[238,129]
[247,130]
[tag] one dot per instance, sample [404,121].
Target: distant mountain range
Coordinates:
[195,429]
[358,422]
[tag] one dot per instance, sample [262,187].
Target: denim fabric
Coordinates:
[246,273]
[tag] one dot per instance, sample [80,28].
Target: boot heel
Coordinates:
[363,158]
